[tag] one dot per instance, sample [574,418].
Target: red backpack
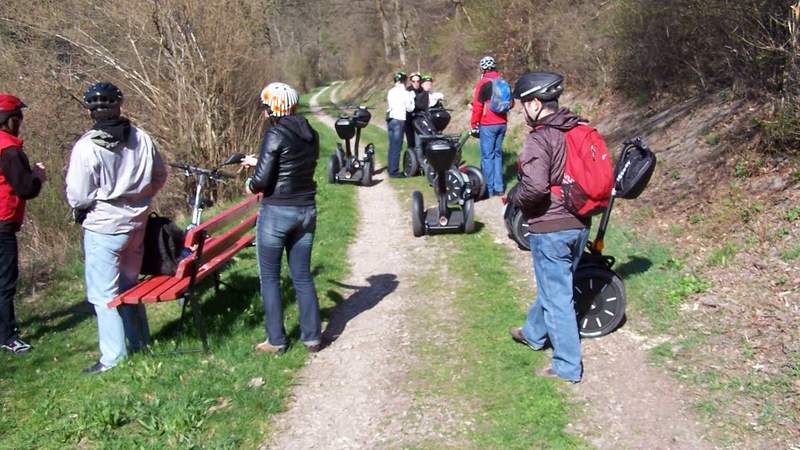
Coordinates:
[588,175]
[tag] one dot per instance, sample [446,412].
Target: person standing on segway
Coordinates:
[415,80]
[426,98]
[114,173]
[400,103]
[557,236]
[284,175]
[491,101]
[19,182]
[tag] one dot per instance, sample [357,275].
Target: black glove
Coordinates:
[79,215]
[475,132]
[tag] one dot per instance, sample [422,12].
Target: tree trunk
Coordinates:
[387,30]
[400,33]
[793,67]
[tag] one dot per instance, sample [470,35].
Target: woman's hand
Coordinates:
[249,161]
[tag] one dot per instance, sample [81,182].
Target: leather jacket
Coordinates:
[286,164]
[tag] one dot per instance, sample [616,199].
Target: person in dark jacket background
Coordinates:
[414,86]
[284,175]
[19,182]
[557,237]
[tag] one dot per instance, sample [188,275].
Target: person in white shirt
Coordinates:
[114,172]
[401,102]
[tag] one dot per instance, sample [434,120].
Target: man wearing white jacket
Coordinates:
[400,103]
[114,173]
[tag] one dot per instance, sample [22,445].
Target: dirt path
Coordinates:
[626,402]
[353,393]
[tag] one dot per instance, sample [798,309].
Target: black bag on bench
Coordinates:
[163,246]
[634,169]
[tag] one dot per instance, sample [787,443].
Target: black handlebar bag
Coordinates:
[163,246]
[634,169]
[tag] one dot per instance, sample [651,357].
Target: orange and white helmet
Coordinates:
[279,99]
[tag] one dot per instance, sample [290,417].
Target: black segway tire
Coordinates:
[519,230]
[478,182]
[469,216]
[417,214]
[600,300]
[410,164]
[333,168]
[366,173]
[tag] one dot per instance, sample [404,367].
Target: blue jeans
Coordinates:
[396,130]
[291,228]
[491,137]
[555,258]
[112,263]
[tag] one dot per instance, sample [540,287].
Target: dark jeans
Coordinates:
[9,272]
[396,128]
[291,228]
[411,140]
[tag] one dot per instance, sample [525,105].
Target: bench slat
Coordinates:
[135,293]
[152,296]
[223,219]
[178,289]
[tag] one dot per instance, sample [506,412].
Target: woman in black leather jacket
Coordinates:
[284,174]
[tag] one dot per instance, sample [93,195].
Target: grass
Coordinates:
[151,401]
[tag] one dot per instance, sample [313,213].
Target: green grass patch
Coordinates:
[722,256]
[791,253]
[157,401]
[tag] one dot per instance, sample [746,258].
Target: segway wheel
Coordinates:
[417,214]
[366,174]
[340,154]
[333,168]
[469,216]
[478,182]
[600,300]
[519,230]
[410,164]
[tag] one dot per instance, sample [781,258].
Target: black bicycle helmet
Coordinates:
[400,76]
[102,95]
[545,86]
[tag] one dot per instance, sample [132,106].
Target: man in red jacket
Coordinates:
[491,127]
[18,183]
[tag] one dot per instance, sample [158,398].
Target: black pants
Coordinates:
[9,272]
[410,134]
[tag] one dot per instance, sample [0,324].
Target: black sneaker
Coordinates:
[98,367]
[16,345]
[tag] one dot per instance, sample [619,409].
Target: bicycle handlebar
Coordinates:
[190,169]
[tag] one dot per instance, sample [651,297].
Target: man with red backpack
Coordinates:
[565,177]
[491,101]
[19,182]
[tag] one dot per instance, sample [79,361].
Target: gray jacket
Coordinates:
[115,186]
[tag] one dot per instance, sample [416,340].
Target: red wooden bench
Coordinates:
[214,243]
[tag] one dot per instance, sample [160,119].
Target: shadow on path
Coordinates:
[364,298]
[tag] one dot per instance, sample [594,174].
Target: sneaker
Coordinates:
[98,367]
[548,372]
[16,345]
[516,335]
[266,347]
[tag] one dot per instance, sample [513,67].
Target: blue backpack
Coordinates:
[501,101]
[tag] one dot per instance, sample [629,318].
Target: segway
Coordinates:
[455,211]
[431,123]
[599,292]
[345,166]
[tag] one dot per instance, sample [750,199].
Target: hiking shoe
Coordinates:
[266,347]
[98,367]
[16,346]
[548,372]
[516,334]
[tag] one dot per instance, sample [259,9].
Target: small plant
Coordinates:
[742,170]
[781,233]
[793,214]
[796,176]
[694,219]
[577,109]
[791,254]
[713,139]
[675,174]
[781,280]
[722,256]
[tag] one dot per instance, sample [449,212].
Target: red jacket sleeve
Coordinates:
[477,105]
